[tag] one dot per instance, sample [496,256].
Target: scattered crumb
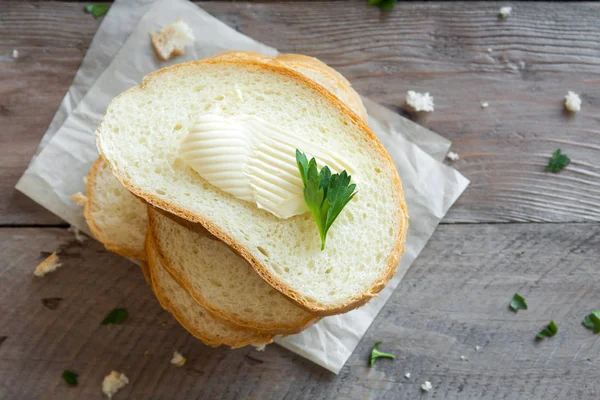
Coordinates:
[505,12]
[419,101]
[407,375]
[426,386]
[163,324]
[477,348]
[572,102]
[15,53]
[79,198]
[113,382]
[522,64]
[80,237]
[48,265]
[489,50]
[463,358]
[172,40]
[178,359]
[485,104]
[146,352]
[260,347]
[452,156]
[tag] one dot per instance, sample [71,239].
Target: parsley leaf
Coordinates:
[518,303]
[70,377]
[97,10]
[557,162]
[548,331]
[116,316]
[592,321]
[375,354]
[384,5]
[325,194]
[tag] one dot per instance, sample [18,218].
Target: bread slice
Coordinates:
[115,217]
[220,280]
[192,316]
[140,137]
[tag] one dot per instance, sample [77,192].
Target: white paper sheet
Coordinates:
[67,153]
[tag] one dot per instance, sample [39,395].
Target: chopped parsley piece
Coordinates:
[375,354]
[116,316]
[548,331]
[557,162]
[592,321]
[518,303]
[70,377]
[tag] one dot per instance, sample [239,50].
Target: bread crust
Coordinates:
[392,259]
[94,228]
[205,303]
[254,337]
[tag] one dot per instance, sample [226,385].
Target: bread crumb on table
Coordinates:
[178,359]
[15,53]
[452,156]
[48,265]
[426,386]
[485,104]
[79,198]
[80,237]
[505,12]
[172,40]
[260,347]
[113,382]
[419,101]
[572,102]
[407,375]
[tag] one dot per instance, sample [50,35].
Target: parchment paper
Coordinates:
[66,154]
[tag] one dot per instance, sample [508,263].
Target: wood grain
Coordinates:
[449,302]
[539,53]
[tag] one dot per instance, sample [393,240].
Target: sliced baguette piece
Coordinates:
[220,280]
[140,137]
[116,217]
[192,316]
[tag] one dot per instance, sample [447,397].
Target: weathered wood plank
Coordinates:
[538,54]
[454,298]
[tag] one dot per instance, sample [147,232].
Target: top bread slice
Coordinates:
[116,217]
[140,136]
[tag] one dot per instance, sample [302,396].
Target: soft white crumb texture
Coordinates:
[505,12]
[452,156]
[50,264]
[141,135]
[178,359]
[572,102]
[191,314]
[419,101]
[113,382]
[172,39]
[120,216]
[222,279]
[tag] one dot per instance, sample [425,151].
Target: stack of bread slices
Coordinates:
[231,273]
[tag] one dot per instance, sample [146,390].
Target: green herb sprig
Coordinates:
[558,161]
[97,10]
[70,377]
[375,354]
[116,316]
[518,303]
[592,321]
[325,194]
[384,5]
[548,331]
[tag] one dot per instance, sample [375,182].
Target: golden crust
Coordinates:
[214,309]
[106,240]
[252,337]
[215,230]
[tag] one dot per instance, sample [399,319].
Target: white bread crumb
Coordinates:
[260,347]
[572,102]
[15,53]
[172,40]
[79,198]
[48,265]
[426,386]
[419,101]
[407,375]
[452,156]
[505,12]
[463,358]
[477,348]
[80,237]
[113,382]
[178,359]
[489,50]
[485,104]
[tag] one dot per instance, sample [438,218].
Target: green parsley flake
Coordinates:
[557,162]
[97,10]
[70,377]
[548,331]
[375,354]
[592,321]
[518,303]
[116,316]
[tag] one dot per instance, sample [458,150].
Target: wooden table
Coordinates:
[516,229]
